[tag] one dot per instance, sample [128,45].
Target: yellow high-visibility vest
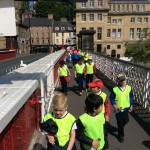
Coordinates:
[122,98]
[89,68]
[64,127]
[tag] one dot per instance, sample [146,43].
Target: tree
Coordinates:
[140,50]
[24,7]
[58,9]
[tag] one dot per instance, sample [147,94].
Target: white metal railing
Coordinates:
[137,76]
[17,86]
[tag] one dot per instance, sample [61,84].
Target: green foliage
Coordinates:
[140,50]
[24,7]
[58,9]
[145,34]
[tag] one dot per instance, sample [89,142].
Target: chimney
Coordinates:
[50,16]
[63,19]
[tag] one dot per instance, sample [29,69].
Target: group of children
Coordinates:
[84,70]
[62,128]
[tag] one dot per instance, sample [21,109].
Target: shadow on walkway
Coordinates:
[38,146]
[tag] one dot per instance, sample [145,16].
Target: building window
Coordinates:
[131,33]
[120,21]
[56,28]
[42,34]
[137,8]
[119,33]
[138,34]
[99,33]
[83,5]
[108,46]
[56,34]
[113,33]
[37,41]
[100,3]
[91,3]
[114,21]
[132,20]
[131,8]
[42,41]
[145,20]
[37,34]
[139,20]
[83,17]
[109,7]
[123,8]
[118,9]
[31,40]
[118,46]
[109,20]
[62,28]
[127,8]
[91,17]
[143,8]
[114,7]
[57,41]
[47,34]
[70,28]
[99,17]
[108,33]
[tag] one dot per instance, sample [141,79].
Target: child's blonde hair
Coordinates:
[60,100]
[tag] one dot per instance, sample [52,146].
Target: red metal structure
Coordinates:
[20,130]
[7,55]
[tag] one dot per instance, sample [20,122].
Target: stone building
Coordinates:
[40,31]
[64,33]
[115,23]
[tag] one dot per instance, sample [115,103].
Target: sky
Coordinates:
[31,5]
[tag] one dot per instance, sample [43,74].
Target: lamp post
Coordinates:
[62,41]
[30,47]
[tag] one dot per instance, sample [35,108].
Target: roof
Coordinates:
[65,24]
[129,1]
[37,22]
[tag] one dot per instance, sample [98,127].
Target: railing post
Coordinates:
[42,99]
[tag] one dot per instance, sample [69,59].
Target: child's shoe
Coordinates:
[80,93]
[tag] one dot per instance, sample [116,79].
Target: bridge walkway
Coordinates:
[136,137]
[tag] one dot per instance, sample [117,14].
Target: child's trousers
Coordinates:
[122,120]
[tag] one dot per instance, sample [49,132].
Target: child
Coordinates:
[64,138]
[96,87]
[90,125]
[68,58]
[121,99]
[90,70]
[63,72]
[74,56]
[79,74]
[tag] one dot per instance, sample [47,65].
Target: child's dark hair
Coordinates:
[62,62]
[93,101]
[81,58]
